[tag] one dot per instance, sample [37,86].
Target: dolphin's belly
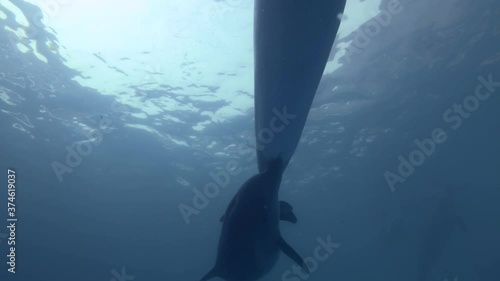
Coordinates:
[248,263]
[266,257]
[266,247]
[248,249]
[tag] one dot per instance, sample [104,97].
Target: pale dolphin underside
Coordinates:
[292,43]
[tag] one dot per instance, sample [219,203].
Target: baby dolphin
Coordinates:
[250,241]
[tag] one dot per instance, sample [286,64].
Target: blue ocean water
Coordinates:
[127,180]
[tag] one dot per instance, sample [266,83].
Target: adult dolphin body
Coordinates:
[293,39]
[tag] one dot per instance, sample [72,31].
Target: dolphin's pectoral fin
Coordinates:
[289,217]
[286,212]
[221,218]
[290,252]
[285,206]
[211,274]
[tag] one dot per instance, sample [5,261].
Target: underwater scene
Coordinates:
[245,140]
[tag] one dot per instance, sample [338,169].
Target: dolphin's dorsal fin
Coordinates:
[211,274]
[286,212]
[290,252]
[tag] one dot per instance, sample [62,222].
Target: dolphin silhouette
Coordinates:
[292,42]
[250,240]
